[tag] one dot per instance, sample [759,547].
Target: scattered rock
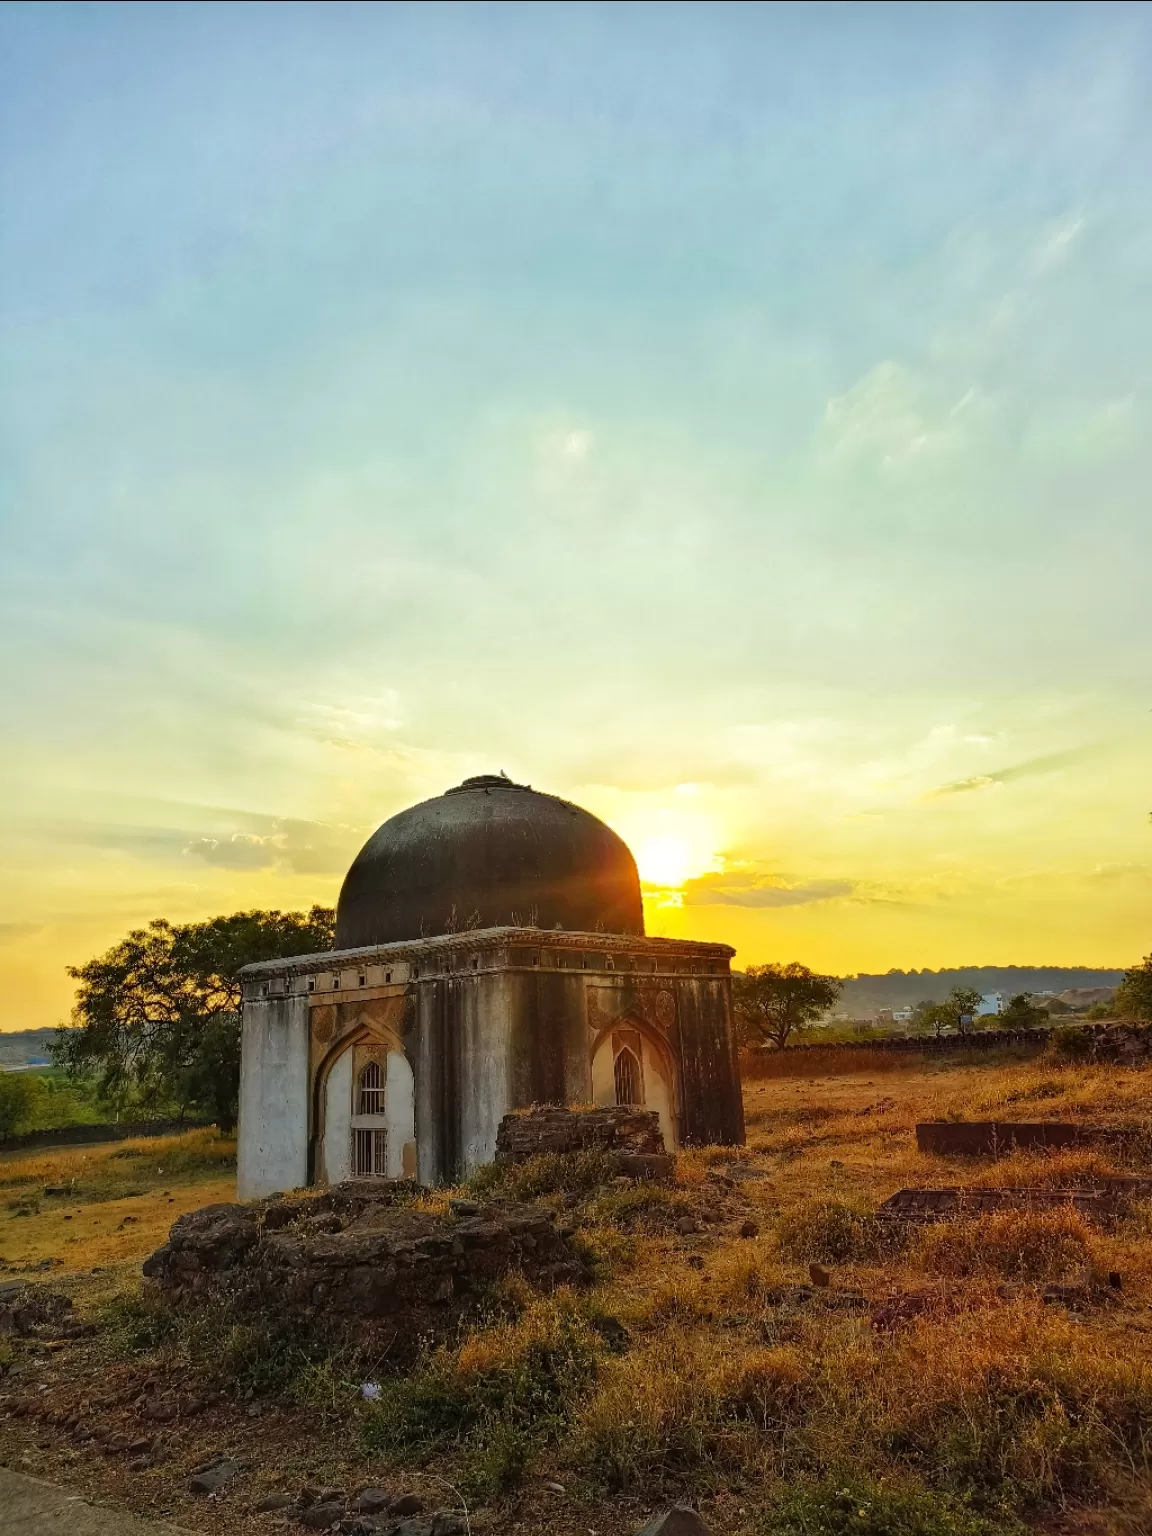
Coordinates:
[446,1522]
[687,1225]
[613,1332]
[116,1445]
[819,1275]
[272,1502]
[27,1310]
[140,1447]
[464,1207]
[407,1504]
[213,1478]
[320,1517]
[141,1464]
[373,1501]
[750,1229]
[680,1520]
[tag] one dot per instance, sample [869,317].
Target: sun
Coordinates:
[665,860]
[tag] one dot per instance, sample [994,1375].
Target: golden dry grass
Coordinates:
[122,1197]
[705,1365]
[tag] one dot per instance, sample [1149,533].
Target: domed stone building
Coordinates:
[490,954]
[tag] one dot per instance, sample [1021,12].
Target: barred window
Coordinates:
[371,1098]
[370,1153]
[627,1075]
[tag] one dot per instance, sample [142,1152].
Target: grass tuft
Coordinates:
[1015,1245]
[833,1232]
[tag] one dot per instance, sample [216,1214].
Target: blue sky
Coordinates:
[732,417]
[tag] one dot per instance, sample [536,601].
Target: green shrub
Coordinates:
[839,1508]
[1069,1042]
[552,1173]
[19,1097]
[832,1232]
[506,1393]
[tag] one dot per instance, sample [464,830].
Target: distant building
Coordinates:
[991,1003]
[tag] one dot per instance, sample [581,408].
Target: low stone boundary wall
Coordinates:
[990,1138]
[928,1045]
[1100,1204]
[84,1135]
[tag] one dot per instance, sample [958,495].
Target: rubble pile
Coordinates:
[360,1251]
[631,1138]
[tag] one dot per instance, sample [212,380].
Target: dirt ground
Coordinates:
[847,1137]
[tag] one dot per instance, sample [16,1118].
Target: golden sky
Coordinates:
[740,427]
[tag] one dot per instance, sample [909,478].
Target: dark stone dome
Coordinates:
[488,854]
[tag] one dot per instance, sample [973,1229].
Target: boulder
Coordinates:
[211,1479]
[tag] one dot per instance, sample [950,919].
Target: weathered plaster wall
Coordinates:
[400,1114]
[337,1144]
[712,1107]
[272,1141]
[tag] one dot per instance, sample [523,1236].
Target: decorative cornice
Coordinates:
[475,939]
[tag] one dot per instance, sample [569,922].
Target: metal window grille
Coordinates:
[627,1074]
[371,1090]
[370,1153]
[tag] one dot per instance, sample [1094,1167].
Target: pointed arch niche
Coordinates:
[632,1065]
[366,1104]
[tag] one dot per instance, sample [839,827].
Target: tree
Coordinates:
[157,1017]
[1020,1012]
[1133,998]
[961,1003]
[773,1000]
[929,1016]
[18,1098]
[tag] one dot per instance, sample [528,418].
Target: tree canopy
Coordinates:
[157,1018]
[1020,1012]
[773,1000]
[957,1011]
[1133,998]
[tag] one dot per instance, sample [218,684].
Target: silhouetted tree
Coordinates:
[773,1000]
[157,1017]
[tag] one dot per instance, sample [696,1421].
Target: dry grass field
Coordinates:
[927,1390]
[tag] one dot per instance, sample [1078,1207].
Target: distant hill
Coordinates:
[24,1045]
[900,989]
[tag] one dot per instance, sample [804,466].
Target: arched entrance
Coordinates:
[369,1116]
[629,1066]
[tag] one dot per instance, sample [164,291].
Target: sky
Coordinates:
[732,418]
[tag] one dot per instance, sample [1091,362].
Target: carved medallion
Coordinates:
[323,1024]
[664,1008]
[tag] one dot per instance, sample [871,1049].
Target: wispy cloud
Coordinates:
[746,890]
[1051,763]
[11,932]
[890,417]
